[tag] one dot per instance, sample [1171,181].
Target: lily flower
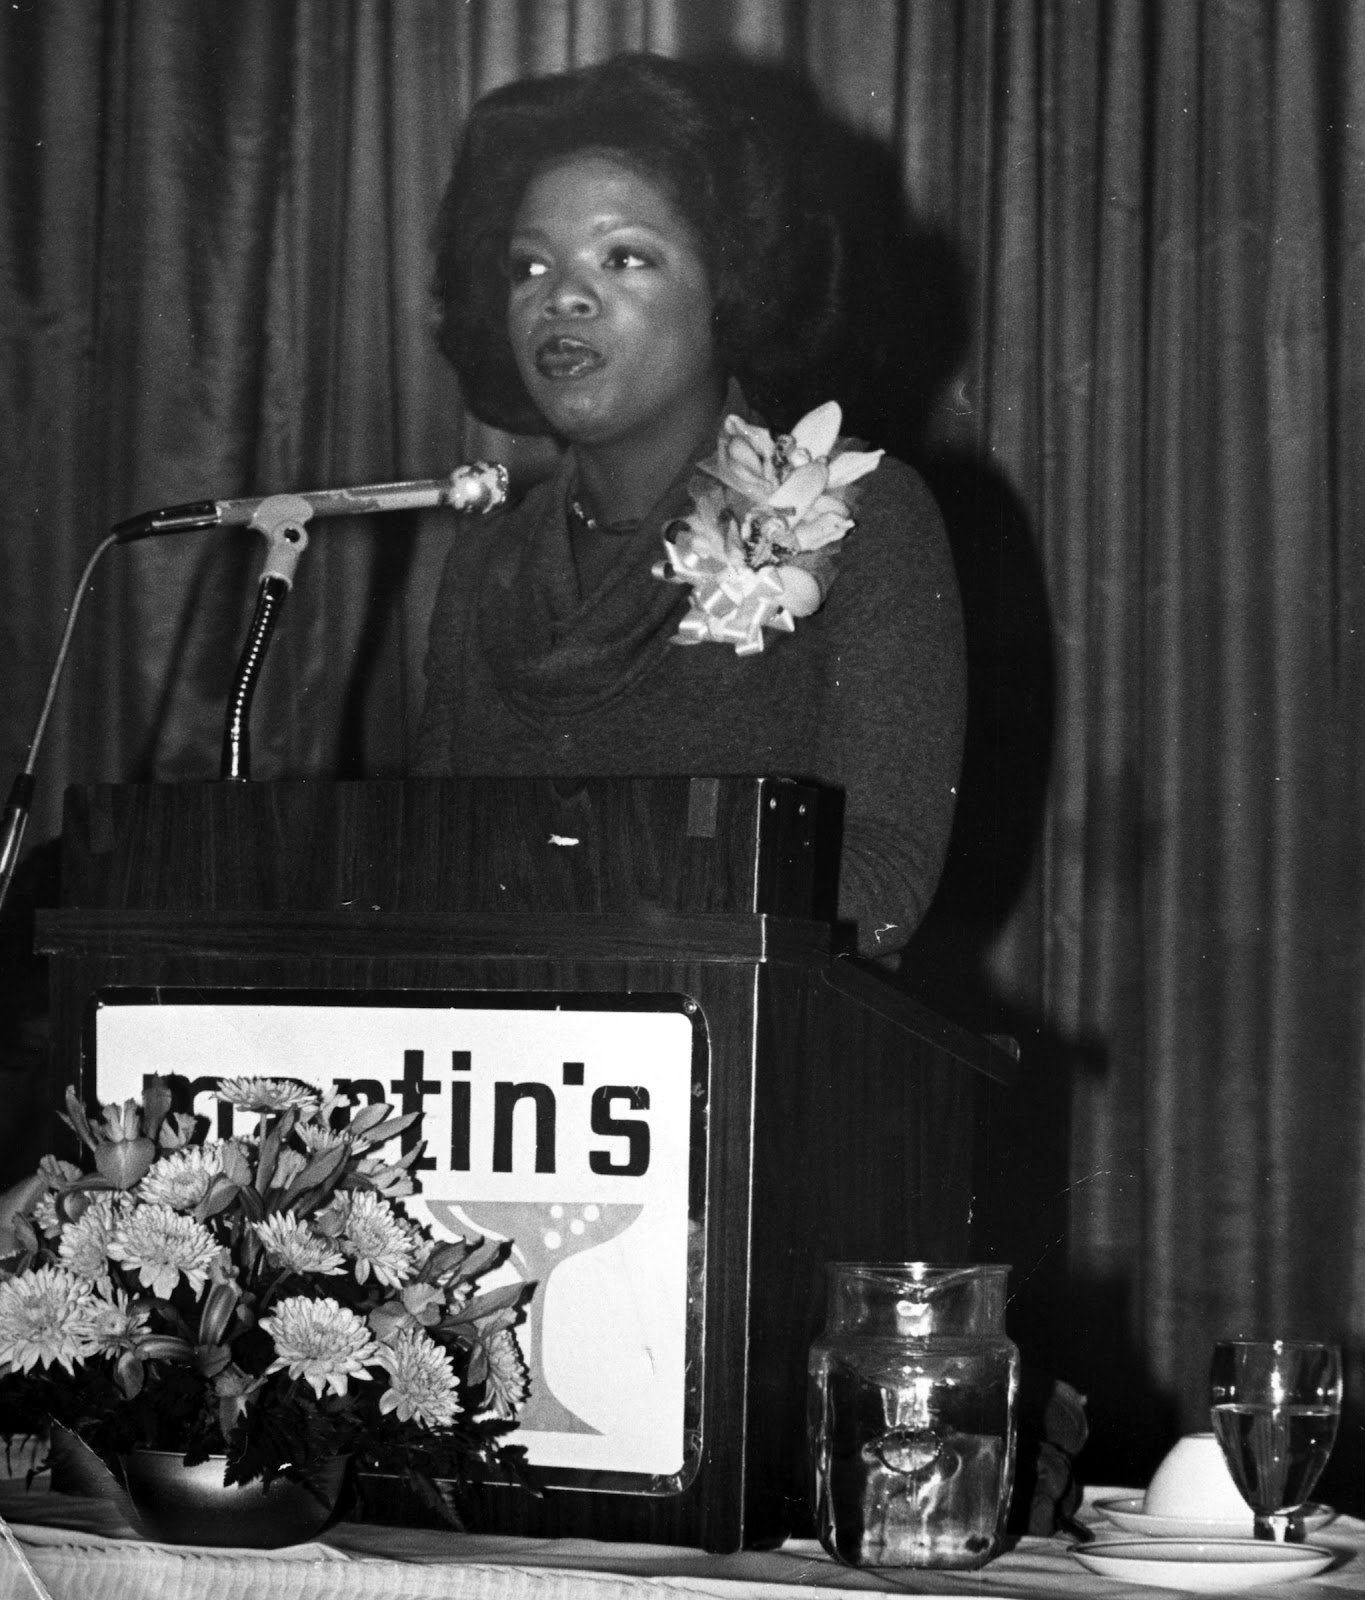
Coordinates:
[123,1152]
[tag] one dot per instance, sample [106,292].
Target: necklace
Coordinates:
[580,520]
[582,523]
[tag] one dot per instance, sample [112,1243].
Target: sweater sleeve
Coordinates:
[896,706]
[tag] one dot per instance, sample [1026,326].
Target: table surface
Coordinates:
[82,1549]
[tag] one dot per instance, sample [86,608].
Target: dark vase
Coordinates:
[177,1504]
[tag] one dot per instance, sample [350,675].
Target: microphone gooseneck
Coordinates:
[236,762]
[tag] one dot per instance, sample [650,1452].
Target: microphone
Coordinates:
[479,488]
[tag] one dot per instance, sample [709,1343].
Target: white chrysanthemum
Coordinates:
[84,1244]
[265,1094]
[378,1240]
[163,1246]
[422,1382]
[319,1341]
[181,1179]
[42,1318]
[114,1325]
[291,1243]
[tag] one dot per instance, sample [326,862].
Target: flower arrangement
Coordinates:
[767,514]
[263,1296]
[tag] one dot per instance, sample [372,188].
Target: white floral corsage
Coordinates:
[758,543]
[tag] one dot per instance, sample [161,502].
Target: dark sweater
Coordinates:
[525,677]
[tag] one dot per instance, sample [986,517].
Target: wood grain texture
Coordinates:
[649,935]
[444,844]
[862,1151]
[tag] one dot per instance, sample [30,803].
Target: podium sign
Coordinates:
[573,1127]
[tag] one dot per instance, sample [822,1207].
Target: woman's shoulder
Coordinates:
[898,534]
[895,493]
[894,568]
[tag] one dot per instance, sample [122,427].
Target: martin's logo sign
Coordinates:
[575,1129]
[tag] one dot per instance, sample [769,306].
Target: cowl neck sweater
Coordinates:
[557,651]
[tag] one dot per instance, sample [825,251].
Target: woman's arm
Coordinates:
[895,705]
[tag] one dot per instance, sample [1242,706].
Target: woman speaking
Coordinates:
[707,584]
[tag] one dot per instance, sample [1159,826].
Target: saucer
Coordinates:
[1203,1566]
[1127,1513]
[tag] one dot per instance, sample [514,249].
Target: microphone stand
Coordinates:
[20,801]
[481,488]
[281,519]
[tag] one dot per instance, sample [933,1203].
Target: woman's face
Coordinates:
[609,308]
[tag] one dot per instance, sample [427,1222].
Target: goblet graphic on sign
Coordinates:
[544,1237]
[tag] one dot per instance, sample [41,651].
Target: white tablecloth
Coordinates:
[81,1550]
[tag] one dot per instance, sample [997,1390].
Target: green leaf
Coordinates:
[444,1258]
[480,1327]
[218,1197]
[75,1118]
[129,1374]
[25,1235]
[386,1130]
[162,1347]
[88,1183]
[323,1166]
[219,1304]
[235,1163]
[365,1118]
[265,1162]
[508,1297]
[487,1253]
[156,1105]
[211,1359]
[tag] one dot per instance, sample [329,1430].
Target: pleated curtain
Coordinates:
[1138,389]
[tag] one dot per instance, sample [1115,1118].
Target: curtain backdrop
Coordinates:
[1131,281]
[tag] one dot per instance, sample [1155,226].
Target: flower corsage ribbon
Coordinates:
[767,515]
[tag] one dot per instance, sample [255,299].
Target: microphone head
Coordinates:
[478,488]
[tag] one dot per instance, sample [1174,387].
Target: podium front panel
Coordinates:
[828,1116]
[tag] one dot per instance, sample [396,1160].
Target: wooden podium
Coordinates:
[830,1116]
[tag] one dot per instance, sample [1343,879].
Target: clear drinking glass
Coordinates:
[1275,1408]
[911,1414]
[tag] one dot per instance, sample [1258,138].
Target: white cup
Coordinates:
[1193,1481]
